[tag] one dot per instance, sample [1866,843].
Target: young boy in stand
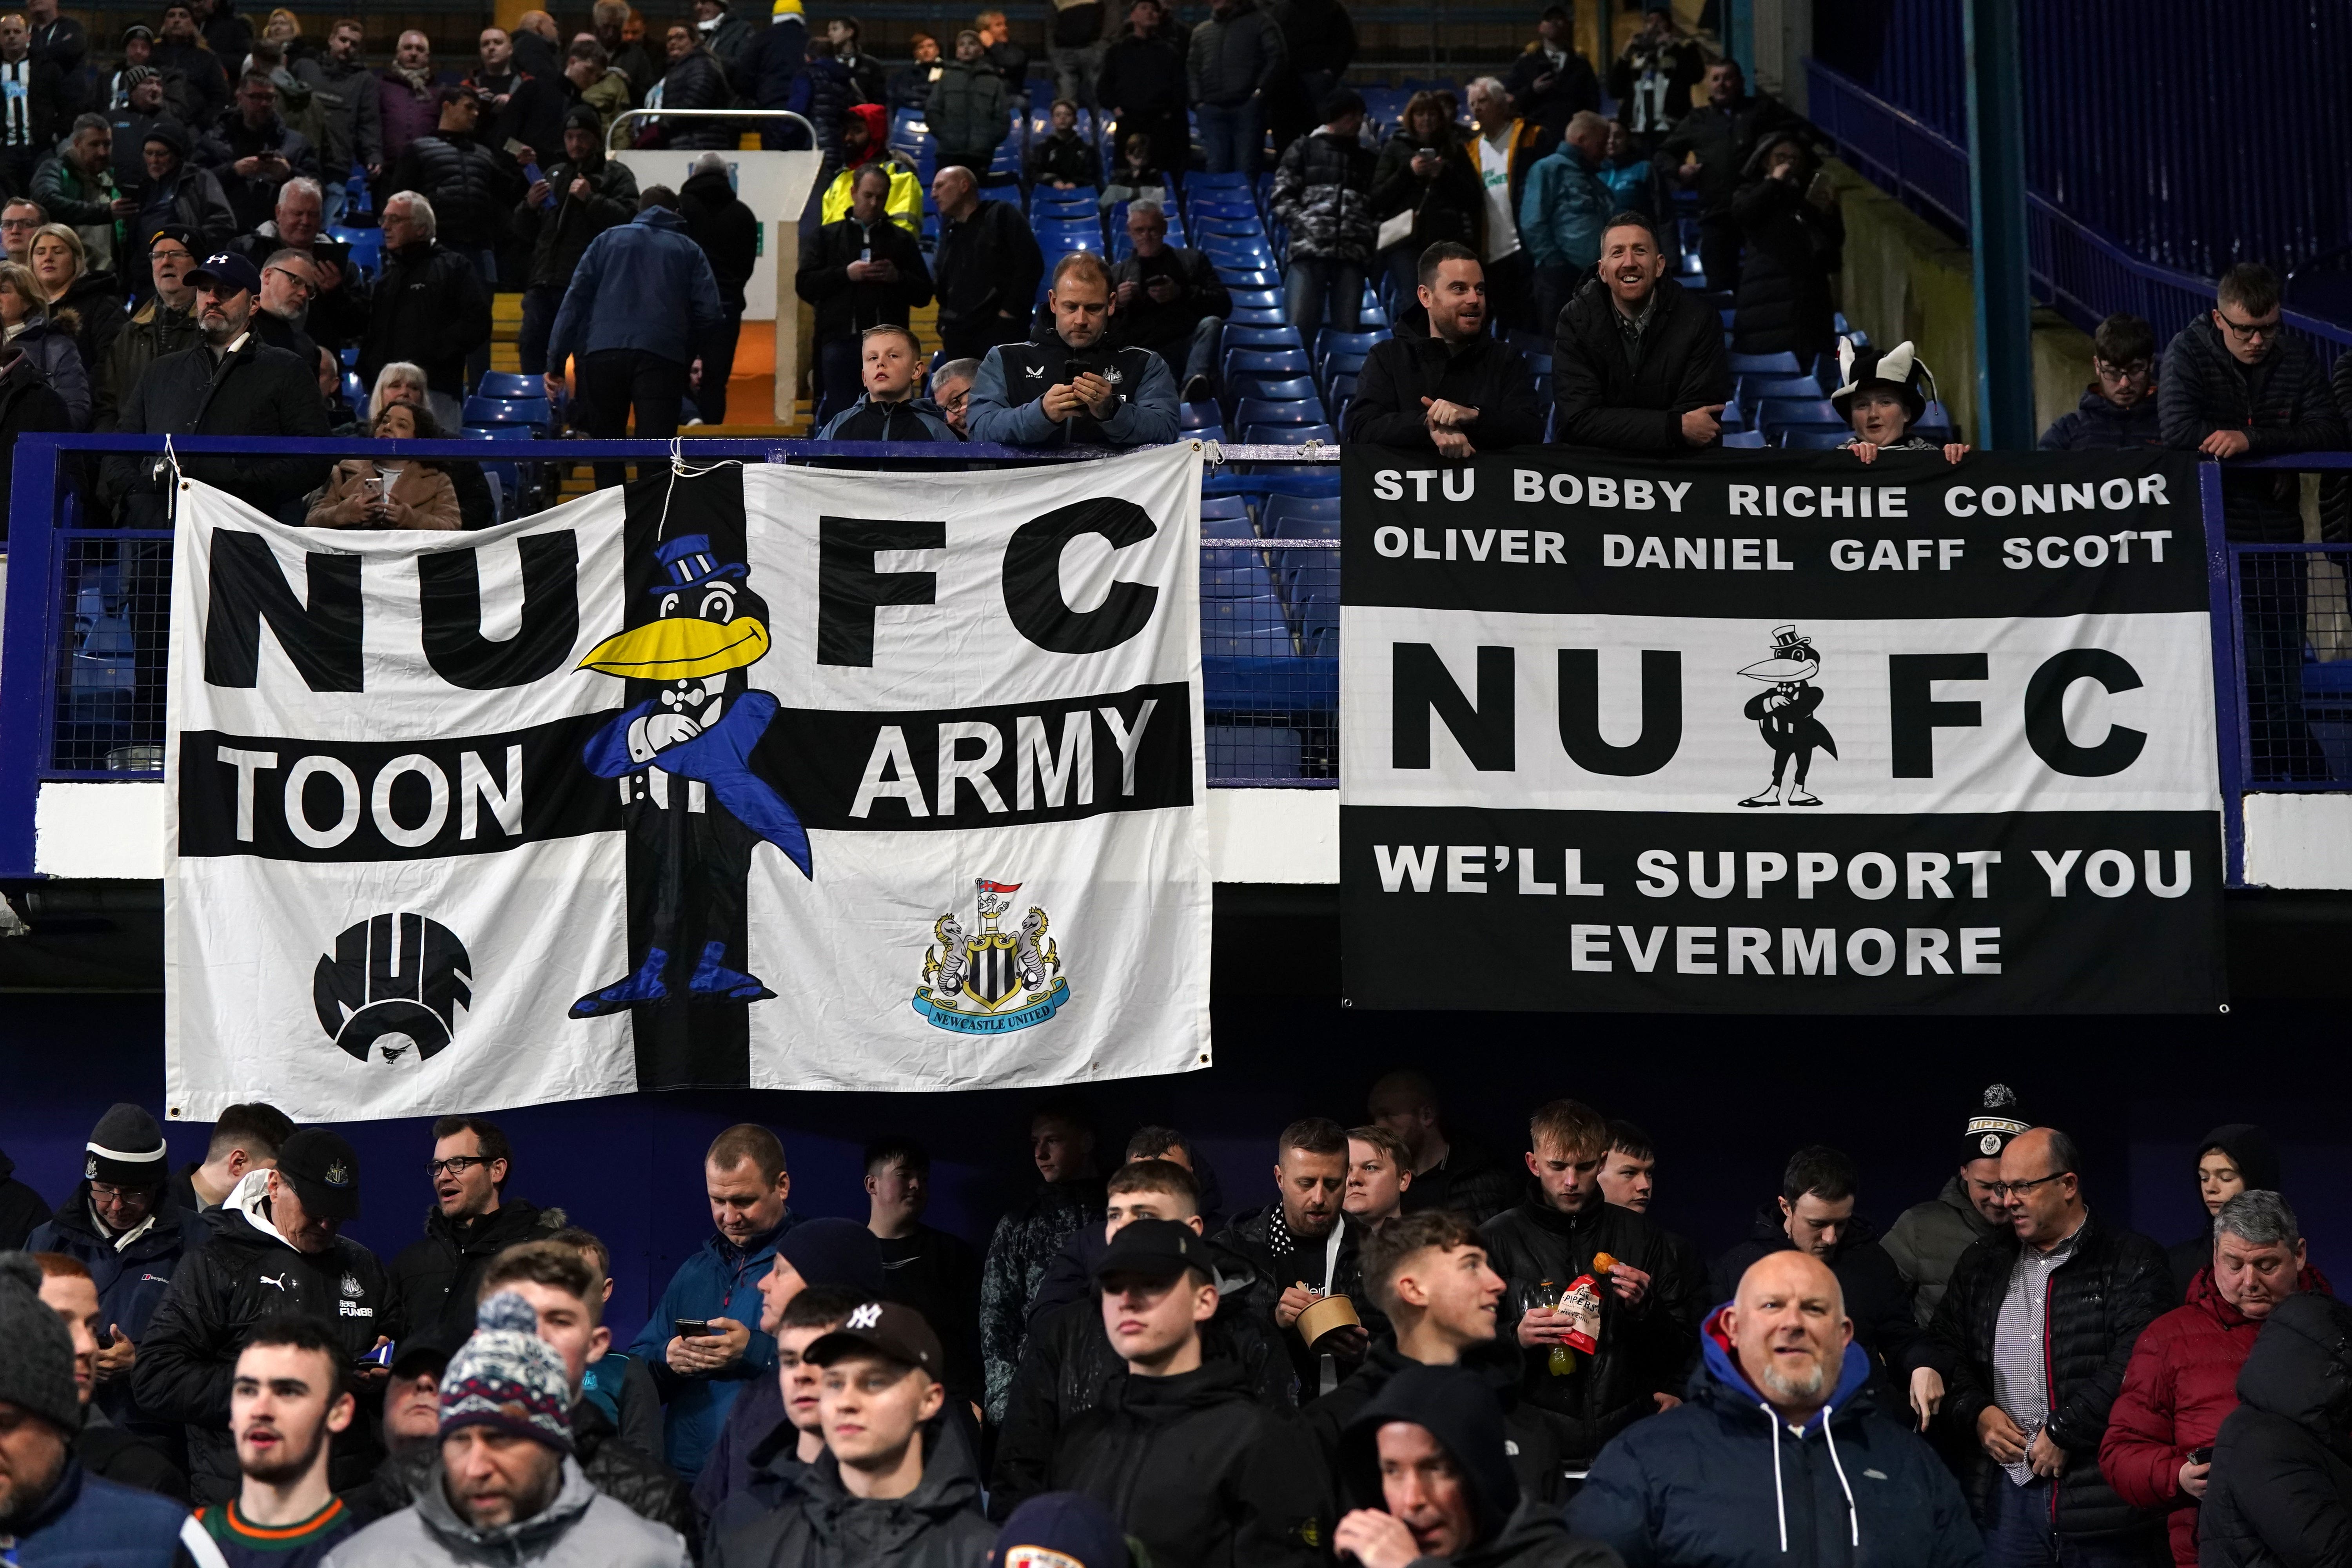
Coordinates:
[1880,395]
[892,366]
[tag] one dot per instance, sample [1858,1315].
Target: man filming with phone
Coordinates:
[1072,388]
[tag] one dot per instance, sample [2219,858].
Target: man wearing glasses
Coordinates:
[18,219]
[2237,385]
[164,323]
[2118,412]
[125,1224]
[436,1279]
[2030,1344]
[289,281]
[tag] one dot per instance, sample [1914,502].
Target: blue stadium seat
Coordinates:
[1782,363]
[1739,440]
[1319,625]
[1288,435]
[367,247]
[1198,415]
[1257,316]
[1282,389]
[1754,389]
[507,384]
[1813,439]
[1232,180]
[1271,411]
[1289,516]
[1281,337]
[1331,341]
[517,411]
[497,433]
[1011,194]
[1227,527]
[1234,574]
[1224,507]
[1257,298]
[1798,413]
[1264,361]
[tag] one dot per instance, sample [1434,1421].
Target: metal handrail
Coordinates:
[628,115]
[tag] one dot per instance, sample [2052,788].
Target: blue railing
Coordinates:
[2073,268]
[1270,654]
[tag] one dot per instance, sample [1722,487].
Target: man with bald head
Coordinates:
[985,269]
[2029,1346]
[1800,1464]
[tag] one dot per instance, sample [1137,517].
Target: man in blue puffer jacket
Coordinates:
[54,1513]
[642,307]
[1778,1455]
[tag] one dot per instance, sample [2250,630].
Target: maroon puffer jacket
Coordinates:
[2183,1380]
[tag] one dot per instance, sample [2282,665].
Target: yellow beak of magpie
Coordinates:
[680,649]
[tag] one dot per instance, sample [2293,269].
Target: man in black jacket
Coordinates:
[1177,1448]
[1170,299]
[2237,384]
[573,201]
[436,1277]
[1141,86]
[1450,1169]
[987,266]
[1815,1214]
[1550,82]
[33,114]
[728,233]
[431,308]
[274,1248]
[230,385]
[1643,1325]
[864,271]
[2030,1344]
[1069,1354]
[1307,1247]
[195,82]
[1429,1273]
[1708,151]
[694,79]
[2281,1489]
[1637,361]
[253,152]
[472,186]
[22,1210]
[1441,382]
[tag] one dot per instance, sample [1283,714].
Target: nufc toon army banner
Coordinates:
[1779,734]
[767,777]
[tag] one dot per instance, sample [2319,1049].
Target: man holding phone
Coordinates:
[1074,389]
[701,1342]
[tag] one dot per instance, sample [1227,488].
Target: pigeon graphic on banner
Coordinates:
[991,982]
[681,759]
[1784,716]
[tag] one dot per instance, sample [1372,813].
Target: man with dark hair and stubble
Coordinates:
[2118,411]
[1451,1170]
[1442,383]
[1638,362]
[1815,1213]
[2027,1349]
[716,1291]
[1062,1147]
[471,1222]
[1088,391]
[1643,1325]
[936,1273]
[2237,384]
[1306,1245]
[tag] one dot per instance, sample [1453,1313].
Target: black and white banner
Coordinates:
[766,777]
[1779,734]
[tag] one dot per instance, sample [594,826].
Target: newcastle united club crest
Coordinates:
[989,980]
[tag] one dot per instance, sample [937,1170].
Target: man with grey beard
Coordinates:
[1797,1459]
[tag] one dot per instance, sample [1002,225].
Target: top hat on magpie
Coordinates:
[686,562]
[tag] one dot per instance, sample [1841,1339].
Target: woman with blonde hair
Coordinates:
[61,270]
[387,492]
[27,324]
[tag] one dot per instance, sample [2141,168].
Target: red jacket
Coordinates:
[2183,1380]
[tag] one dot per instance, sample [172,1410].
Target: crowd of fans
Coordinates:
[1417,1348]
[208,202]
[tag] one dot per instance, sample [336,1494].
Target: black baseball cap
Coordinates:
[1157,1250]
[227,272]
[886,1328]
[324,1170]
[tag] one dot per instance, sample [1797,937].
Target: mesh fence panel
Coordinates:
[114,621]
[2296,644]
[1270,660]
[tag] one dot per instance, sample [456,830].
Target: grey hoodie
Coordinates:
[582,1528]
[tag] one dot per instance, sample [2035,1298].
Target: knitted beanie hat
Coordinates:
[37,1357]
[506,1376]
[126,1150]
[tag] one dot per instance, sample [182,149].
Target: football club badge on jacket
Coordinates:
[989,980]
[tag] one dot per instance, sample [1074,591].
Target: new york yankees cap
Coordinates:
[885,1328]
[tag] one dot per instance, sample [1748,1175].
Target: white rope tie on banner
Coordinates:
[679,466]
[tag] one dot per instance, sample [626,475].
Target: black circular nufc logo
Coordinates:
[391,990]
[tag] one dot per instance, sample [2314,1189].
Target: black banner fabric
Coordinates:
[1779,734]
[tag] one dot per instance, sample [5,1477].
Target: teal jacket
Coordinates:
[720,1280]
[1563,211]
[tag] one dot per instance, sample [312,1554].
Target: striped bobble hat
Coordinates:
[506,1376]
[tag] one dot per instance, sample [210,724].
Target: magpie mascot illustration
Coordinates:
[1784,715]
[683,755]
